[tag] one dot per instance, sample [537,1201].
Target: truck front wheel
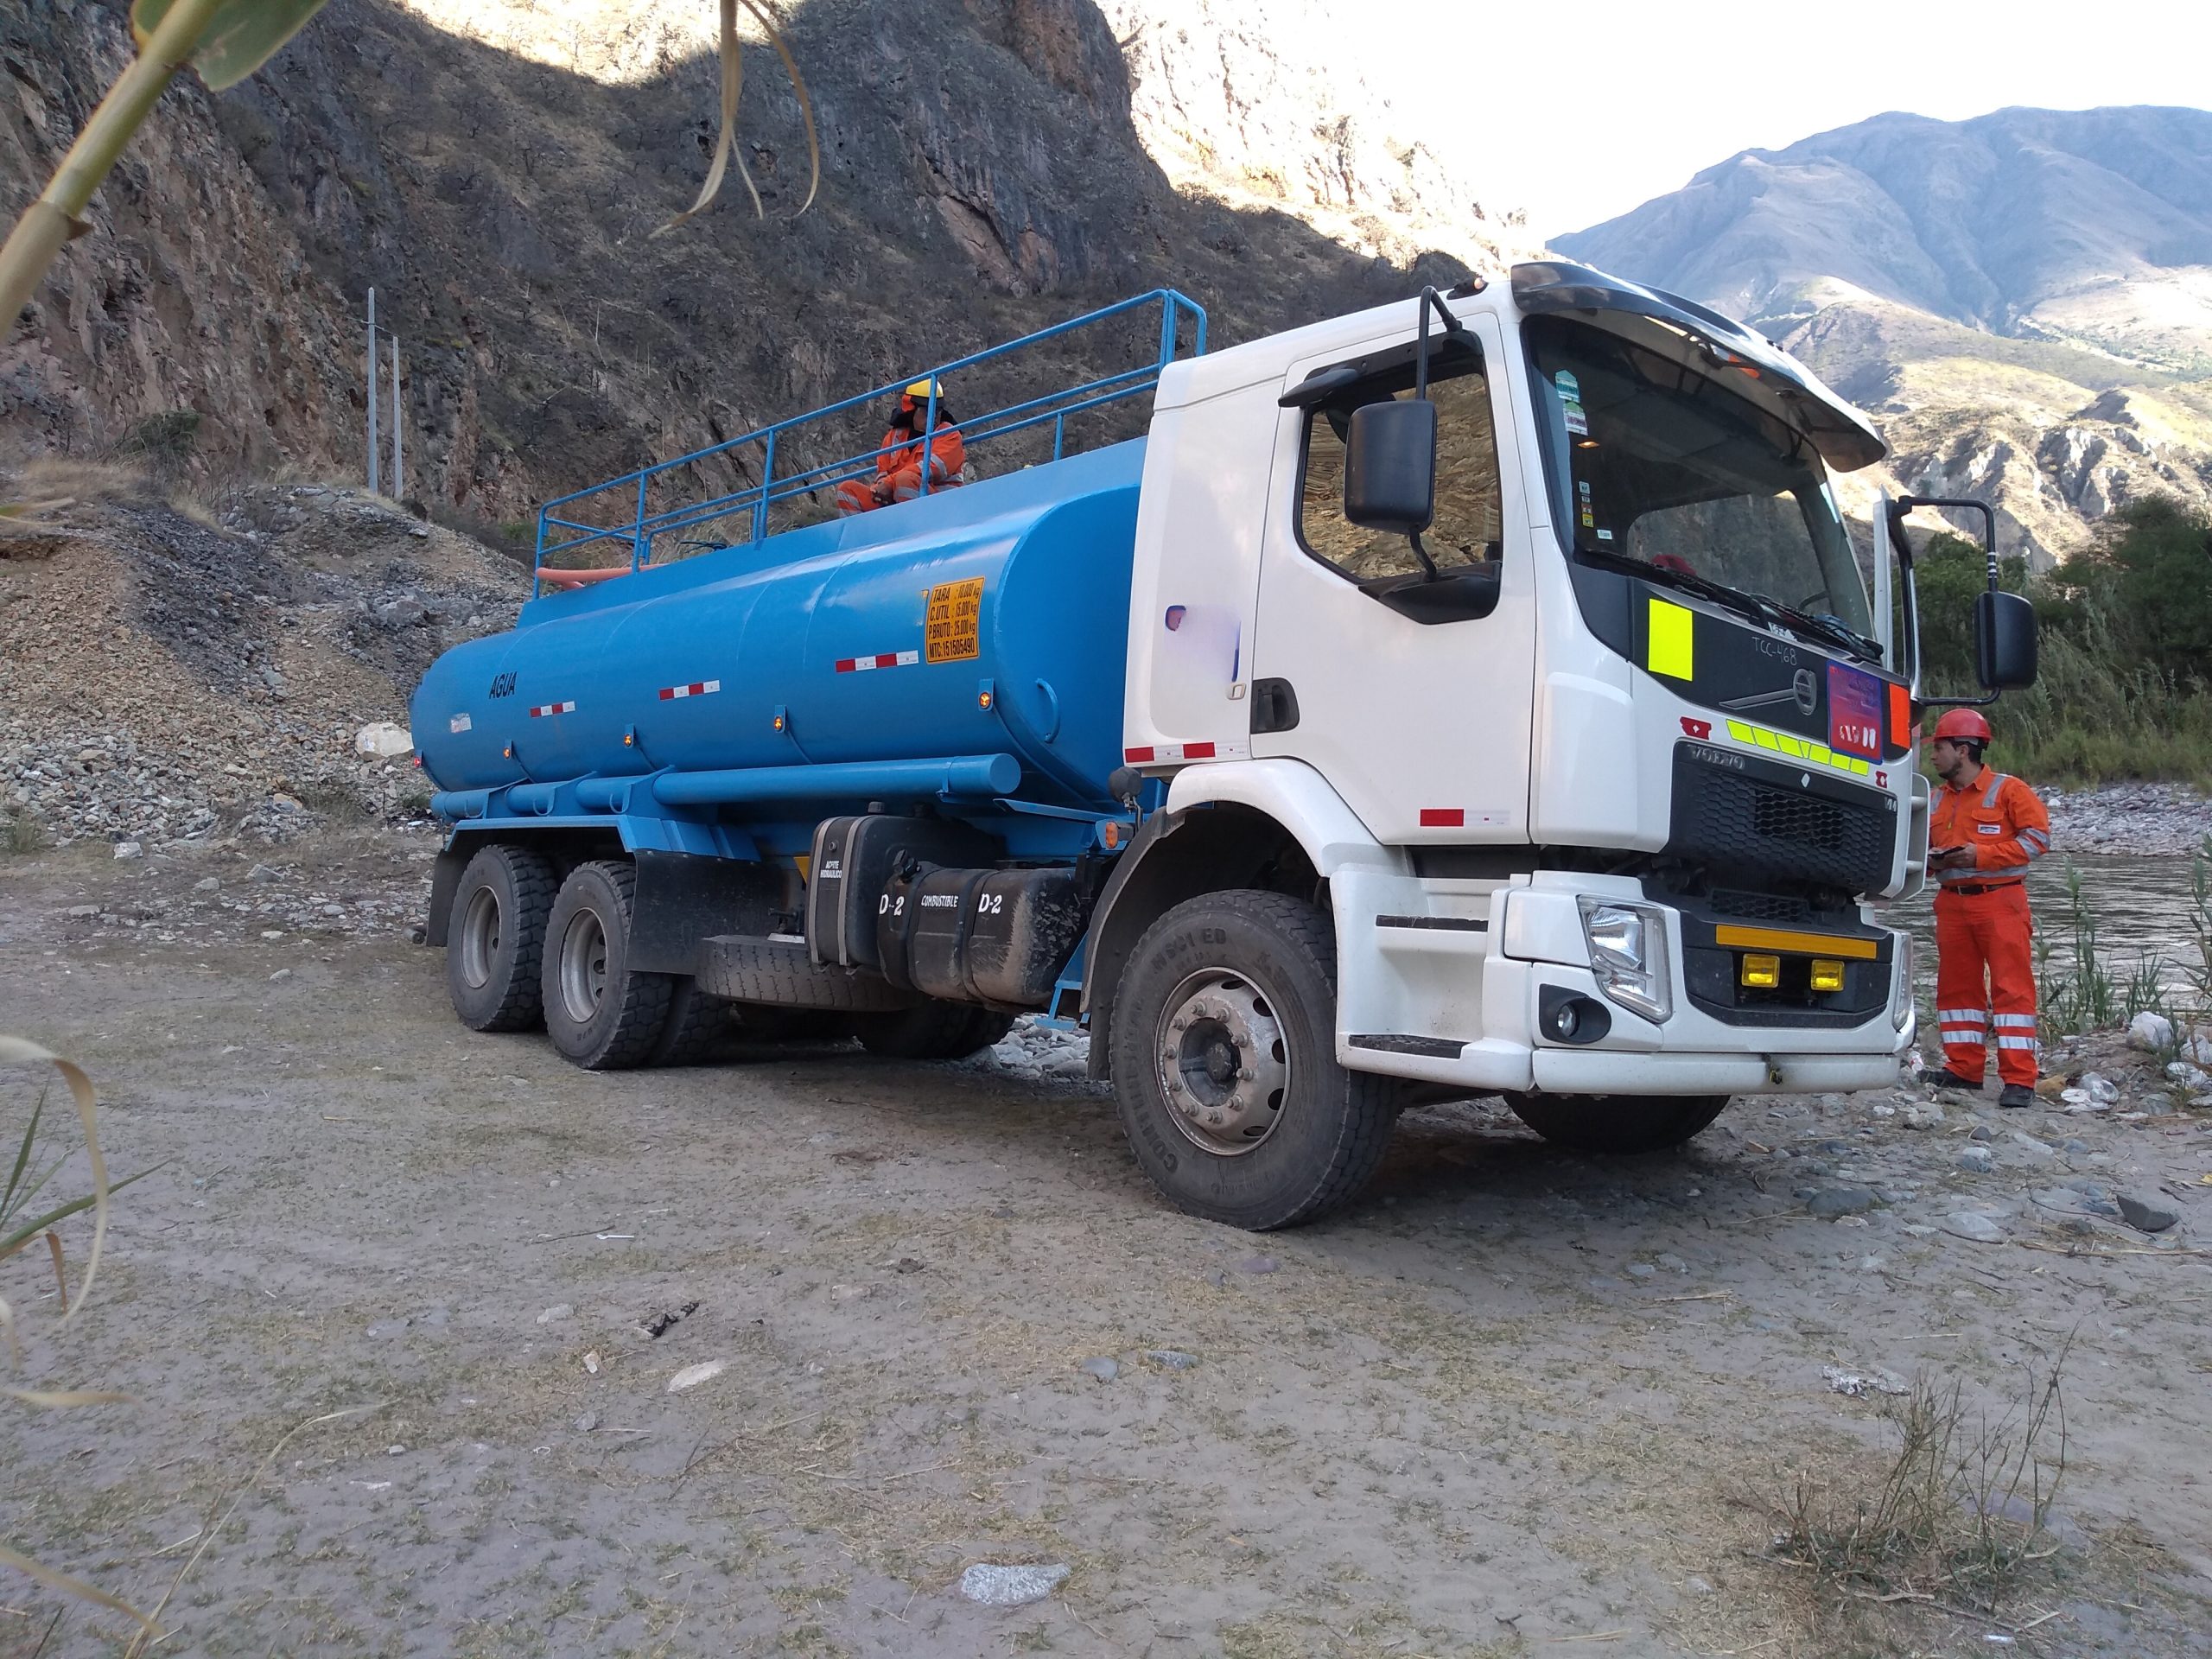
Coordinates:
[492,942]
[598,1013]
[1225,1070]
[1618,1124]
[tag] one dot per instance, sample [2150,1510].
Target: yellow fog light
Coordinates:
[1827,975]
[1763,972]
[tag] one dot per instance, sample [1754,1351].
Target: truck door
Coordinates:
[1417,713]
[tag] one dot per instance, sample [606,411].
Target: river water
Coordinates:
[2142,907]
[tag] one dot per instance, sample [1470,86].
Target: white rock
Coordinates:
[558,1310]
[129,849]
[993,1585]
[2150,1031]
[692,1376]
[2188,1076]
[384,740]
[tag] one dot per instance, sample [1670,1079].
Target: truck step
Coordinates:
[1431,1048]
[780,972]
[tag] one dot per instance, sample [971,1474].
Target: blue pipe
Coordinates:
[976,777]
[453,804]
[533,797]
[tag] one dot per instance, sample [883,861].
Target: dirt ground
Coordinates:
[1510,1402]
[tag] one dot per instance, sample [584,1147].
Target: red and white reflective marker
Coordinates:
[1154,754]
[540,710]
[696,689]
[881,659]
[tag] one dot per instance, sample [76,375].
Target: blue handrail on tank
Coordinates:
[1055,407]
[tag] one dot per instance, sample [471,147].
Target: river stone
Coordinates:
[1972,1224]
[2145,1217]
[992,1586]
[1833,1201]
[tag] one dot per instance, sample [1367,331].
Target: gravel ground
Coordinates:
[168,678]
[2142,819]
[915,1321]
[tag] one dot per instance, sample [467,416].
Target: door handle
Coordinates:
[1275,706]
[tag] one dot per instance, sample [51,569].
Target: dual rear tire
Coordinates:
[527,948]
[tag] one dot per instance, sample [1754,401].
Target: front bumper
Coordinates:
[1440,981]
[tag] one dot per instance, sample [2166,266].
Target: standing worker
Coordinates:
[1985,828]
[899,463]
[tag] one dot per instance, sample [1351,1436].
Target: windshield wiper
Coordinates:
[1831,628]
[1756,608]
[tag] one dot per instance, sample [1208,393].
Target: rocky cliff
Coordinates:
[495,169]
[2024,300]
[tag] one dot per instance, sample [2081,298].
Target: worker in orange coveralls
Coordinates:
[1986,829]
[899,463]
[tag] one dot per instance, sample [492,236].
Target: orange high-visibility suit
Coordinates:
[899,460]
[1982,926]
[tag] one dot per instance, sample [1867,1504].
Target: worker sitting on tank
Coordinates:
[899,462]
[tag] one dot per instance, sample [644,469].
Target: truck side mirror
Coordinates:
[2004,641]
[1390,467]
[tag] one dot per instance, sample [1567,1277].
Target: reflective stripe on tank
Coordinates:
[881,659]
[542,709]
[696,689]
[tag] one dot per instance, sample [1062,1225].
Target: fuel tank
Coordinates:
[991,619]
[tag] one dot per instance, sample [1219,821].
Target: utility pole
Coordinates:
[372,391]
[398,455]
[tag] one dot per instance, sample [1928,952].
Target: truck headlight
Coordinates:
[1628,955]
[1901,990]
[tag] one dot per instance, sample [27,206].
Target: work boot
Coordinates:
[1952,1080]
[2016,1095]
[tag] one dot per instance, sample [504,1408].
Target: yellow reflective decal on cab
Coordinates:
[1667,637]
[1798,748]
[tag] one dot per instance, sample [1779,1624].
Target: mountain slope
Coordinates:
[495,168]
[2025,299]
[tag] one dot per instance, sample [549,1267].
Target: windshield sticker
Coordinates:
[1605,535]
[1589,513]
[1855,701]
[1570,398]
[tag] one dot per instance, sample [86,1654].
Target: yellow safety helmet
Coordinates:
[922,389]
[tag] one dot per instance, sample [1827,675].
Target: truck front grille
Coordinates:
[1735,812]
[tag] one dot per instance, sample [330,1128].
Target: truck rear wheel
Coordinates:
[597,1012]
[930,1030]
[1618,1124]
[1225,1070]
[696,1022]
[493,940]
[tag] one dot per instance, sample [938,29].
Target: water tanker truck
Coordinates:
[1476,695]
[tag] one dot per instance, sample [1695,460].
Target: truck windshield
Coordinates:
[1663,469]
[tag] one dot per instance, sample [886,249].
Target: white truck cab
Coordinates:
[1597,745]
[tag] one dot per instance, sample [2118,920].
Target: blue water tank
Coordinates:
[987,619]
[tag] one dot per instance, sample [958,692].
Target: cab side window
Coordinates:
[1468,525]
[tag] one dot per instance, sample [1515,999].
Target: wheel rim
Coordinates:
[1223,1063]
[480,938]
[583,966]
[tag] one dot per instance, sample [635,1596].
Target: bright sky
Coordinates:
[1582,111]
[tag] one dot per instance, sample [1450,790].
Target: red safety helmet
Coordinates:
[1958,723]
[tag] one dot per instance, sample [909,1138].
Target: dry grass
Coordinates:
[1958,1522]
